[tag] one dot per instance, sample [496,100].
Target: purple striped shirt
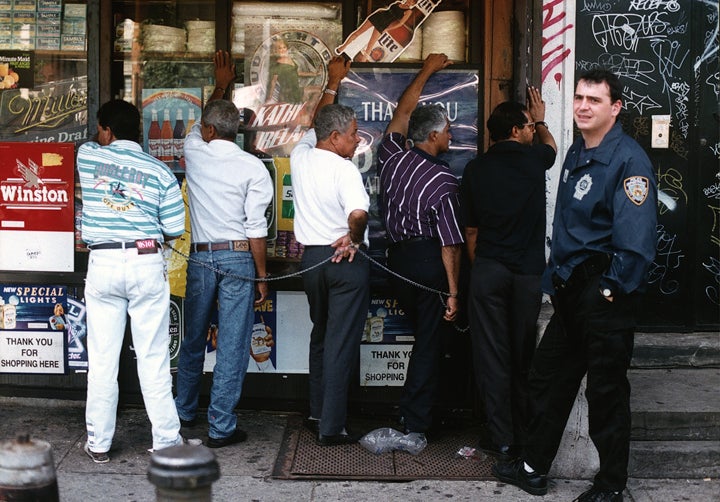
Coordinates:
[420,196]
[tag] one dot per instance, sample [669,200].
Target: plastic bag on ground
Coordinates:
[387,439]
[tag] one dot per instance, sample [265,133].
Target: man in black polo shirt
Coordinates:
[503,200]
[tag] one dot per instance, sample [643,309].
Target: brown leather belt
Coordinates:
[220,246]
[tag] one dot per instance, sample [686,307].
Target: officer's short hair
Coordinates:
[426,119]
[600,75]
[223,116]
[122,118]
[331,118]
[504,117]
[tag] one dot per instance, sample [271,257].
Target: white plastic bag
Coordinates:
[387,439]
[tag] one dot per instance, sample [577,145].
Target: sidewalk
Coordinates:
[245,469]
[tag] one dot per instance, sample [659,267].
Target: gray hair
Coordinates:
[426,119]
[333,118]
[224,116]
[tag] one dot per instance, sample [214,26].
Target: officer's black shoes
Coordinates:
[595,494]
[514,474]
[312,424]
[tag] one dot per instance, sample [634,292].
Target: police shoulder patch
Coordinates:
[636,188]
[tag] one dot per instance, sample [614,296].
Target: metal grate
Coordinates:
[301,458]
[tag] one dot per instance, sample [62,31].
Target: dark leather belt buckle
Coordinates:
[146,246]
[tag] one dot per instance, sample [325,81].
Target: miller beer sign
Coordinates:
[37,206]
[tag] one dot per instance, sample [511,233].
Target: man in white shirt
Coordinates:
[331,212]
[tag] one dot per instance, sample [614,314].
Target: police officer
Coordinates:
[603,244]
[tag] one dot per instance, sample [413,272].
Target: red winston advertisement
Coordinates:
[37,206]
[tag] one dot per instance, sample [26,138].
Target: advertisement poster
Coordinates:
[55,112]
[373,94]
[386,346]
[33,324]
[168,115]
[385,33]
[37,216]
[17,69]
[77,357]
[284,79]
[280,338]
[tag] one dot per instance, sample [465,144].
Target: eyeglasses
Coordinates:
[531,125]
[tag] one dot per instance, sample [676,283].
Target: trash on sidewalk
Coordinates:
[387,439]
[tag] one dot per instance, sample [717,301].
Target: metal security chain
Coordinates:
[441,294]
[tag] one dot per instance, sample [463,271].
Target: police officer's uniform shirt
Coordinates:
[228,190]
[127,194]
[606,204]
[326,189]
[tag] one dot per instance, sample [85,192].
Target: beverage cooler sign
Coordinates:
[168,115]
[37,207]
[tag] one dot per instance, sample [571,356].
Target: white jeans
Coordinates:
[121,282]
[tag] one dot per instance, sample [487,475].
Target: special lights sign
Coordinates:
[37,207]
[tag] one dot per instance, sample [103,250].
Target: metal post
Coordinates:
[27,471]
[183,473]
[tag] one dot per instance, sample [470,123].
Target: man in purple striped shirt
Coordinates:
[420,200]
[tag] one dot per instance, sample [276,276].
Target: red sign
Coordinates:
[37,186]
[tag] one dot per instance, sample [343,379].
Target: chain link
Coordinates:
[441,294]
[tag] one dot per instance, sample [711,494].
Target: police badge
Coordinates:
[636,188]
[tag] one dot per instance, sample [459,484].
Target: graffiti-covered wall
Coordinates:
[666,54]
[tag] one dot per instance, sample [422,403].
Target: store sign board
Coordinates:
[32,352]
[37,206]
[54,112]
[386,33]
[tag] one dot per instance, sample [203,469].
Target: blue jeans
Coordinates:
[234,299]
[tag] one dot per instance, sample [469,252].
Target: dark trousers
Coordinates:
[420,261]
[339,296]
[503,310]
[586,334]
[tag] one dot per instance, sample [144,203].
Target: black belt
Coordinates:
[414,240]
[220,246]
[595,265]
[119,245]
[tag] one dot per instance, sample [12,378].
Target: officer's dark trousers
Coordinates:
[339,295]
[586,334]
[420,261]
[504,308]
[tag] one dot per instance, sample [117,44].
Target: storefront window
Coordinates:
[43,71]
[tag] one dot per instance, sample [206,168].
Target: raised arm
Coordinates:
[536,108]
[338,68]
[224,74]
[410,97]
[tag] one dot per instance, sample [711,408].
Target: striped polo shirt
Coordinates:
[127,194]
[420,196]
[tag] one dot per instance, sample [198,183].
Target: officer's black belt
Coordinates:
[220,246]
[595,265]
[117,245]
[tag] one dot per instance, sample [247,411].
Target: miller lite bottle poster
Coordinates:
[37,217]
[385,33]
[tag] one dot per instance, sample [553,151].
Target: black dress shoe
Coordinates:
[337,439]
[312,424]
[514,474]
[189,423]
[237,436]
[597,495]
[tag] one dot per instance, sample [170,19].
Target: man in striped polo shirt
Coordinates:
[421,207]
[131,205]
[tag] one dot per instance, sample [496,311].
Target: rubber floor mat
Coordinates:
[301,458]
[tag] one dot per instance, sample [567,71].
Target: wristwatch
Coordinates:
[607,293]
[542,123]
